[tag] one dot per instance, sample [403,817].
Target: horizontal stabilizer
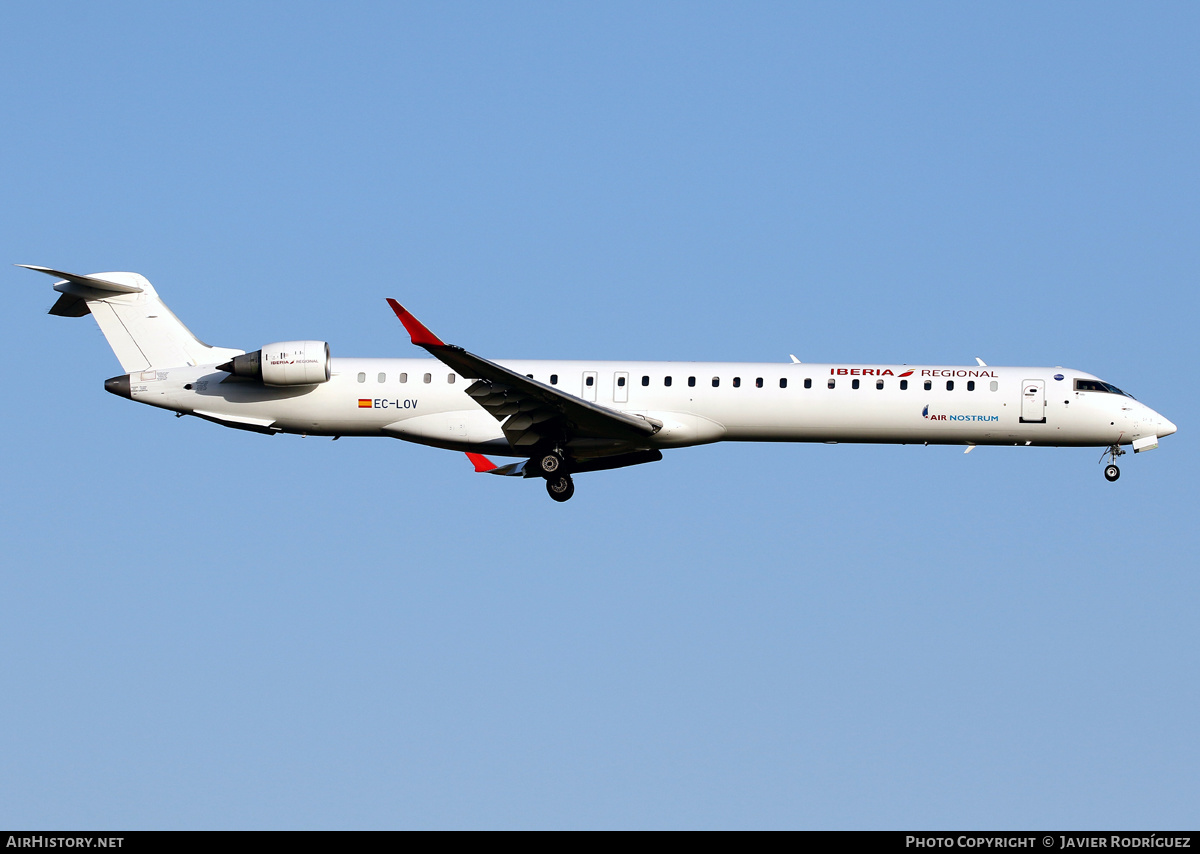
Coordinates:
[76,290]
[92,282]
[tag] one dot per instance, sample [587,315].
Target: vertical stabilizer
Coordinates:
[141,330]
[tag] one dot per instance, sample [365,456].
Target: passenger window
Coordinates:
[667,381]
[428,377]
[590,381]
[970,385]
[949,385]
[528,375]
[758,382]
[808,382]
[783,382]
[691,382]
[645,380]
[928,385]
[362,378]
[879,384]
[903,385]
[450,379]
[854,384]
[382,378]
[995,385]
[404,378]
[716,381]
[554,379]
[737,382]
[832,382]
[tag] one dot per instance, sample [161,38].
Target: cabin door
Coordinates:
[589,385]
[620,387]
[1033,402]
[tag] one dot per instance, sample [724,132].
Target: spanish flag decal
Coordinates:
[364,403]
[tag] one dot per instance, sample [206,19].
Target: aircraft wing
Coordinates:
[532,412]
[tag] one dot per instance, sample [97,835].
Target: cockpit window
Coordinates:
[1097,385]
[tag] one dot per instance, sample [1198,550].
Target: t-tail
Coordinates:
[141,330]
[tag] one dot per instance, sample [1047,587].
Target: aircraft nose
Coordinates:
[1166,428]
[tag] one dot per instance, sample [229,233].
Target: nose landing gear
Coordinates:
[1111,472]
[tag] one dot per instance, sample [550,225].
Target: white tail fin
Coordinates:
[141,330]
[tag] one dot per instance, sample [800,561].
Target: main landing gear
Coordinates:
[560,488]
[1111,472]
[552,465]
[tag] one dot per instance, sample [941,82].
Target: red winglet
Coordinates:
[421,336]
[482,463]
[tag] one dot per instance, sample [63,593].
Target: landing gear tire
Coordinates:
[1111,472]
[560,488]
[550,464]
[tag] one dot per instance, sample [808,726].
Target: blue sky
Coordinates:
[205,628]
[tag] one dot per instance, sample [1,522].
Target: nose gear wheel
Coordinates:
[1111,472]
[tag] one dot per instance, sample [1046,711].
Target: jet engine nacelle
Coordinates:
[285,363]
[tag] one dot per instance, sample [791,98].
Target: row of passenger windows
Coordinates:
[590,380]
[927,385]
[783,383]
[382,377]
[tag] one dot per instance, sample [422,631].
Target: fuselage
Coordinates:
[421,400]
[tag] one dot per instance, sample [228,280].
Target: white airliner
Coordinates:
[562,418]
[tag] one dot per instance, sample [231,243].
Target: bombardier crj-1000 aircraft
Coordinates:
[562,418]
